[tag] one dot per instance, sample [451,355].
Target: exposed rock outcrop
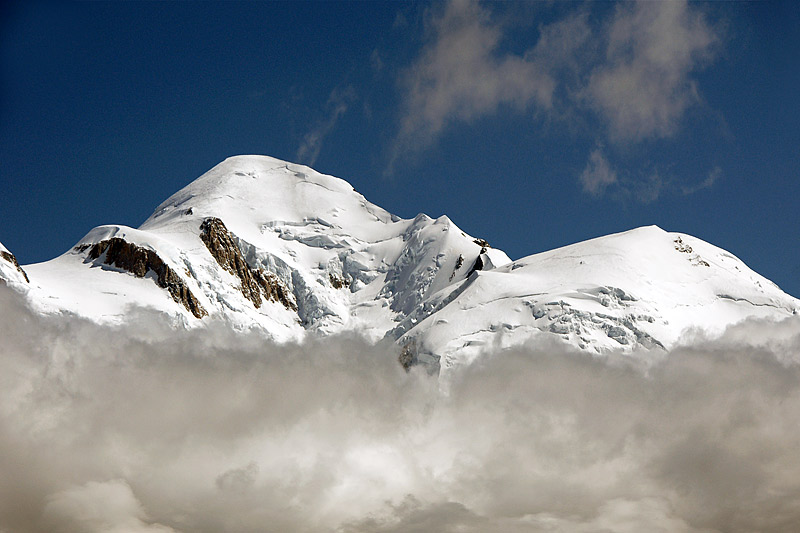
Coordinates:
[681,246]
[459,263]
[695,259]
[408,355]
[479,264]
[482,243]
[337,282]
[139,261]
[255,282]
[272,288]
[8,256]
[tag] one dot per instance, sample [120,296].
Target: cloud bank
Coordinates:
[142,428]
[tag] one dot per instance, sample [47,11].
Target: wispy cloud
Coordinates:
[598,174]
[648,188]
[644,186]
[338,103]
[713,176]
[461,75]
[644,85]
[375,61]
[632,76]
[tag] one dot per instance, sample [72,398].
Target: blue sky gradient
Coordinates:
[532,125]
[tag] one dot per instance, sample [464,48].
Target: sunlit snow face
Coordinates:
[142,428]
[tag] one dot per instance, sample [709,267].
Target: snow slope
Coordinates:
[262,243]
[641,288]
[347,263]
[10,271]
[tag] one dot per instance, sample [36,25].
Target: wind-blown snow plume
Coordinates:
[144,428]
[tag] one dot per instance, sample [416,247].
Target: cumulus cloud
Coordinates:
[338,103]
[644,86]
[598,174]
[142,428]
[461,75]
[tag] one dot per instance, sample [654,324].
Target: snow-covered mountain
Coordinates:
[10,271]
[262,243]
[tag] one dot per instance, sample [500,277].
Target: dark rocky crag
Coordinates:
[8,256]
[255,282]
[139,261]
[337,282]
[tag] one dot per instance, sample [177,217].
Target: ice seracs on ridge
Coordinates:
[302,253]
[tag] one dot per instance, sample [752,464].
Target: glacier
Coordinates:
[270,246]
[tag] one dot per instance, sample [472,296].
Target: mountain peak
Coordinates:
[267,244]
[249,191]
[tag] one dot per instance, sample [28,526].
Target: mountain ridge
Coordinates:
[266,244]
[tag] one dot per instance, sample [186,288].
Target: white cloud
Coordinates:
[562,45]
[460,75]
[644,85]
[634,71]
[598,174]
[641,86]
[338,103]
[108,506]
[142,428]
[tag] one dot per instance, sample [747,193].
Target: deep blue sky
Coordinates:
[532,125]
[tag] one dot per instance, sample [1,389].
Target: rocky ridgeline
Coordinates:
[9,257]
[255,282]
[139,261]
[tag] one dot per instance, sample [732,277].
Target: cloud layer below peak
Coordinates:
[141,428]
